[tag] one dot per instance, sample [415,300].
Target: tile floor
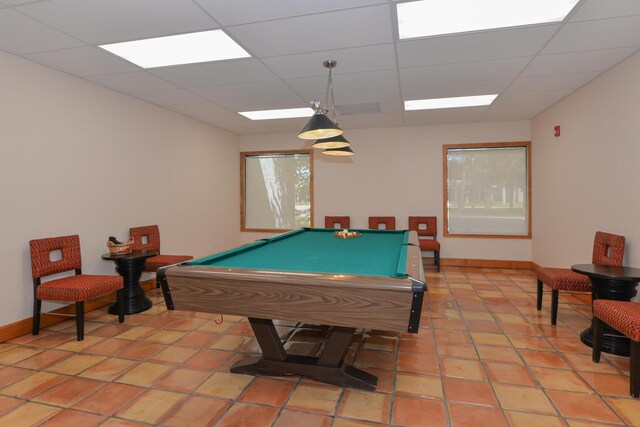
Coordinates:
[484,357]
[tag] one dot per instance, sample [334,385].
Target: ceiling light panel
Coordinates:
[190,48]
[436,17]
[456,102]
[286,113]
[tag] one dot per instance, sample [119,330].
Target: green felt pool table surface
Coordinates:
[374,253]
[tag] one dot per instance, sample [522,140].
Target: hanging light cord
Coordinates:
[330,92]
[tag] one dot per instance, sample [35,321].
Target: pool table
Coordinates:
[373,281]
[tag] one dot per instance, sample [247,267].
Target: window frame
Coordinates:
[243,156]
[445,191]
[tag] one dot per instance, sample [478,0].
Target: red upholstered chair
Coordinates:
[77,288]
[624,317]
[331,221]
[427,226]
[608,249]
[148,237]
[388,221]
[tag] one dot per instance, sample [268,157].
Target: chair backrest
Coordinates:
[342,221]
[41,263]
[388,221]
[608,249]
[150,233]
[424,225]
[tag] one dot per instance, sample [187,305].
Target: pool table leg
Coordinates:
[329,367]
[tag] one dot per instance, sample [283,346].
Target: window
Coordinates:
[277,190]
[487,190]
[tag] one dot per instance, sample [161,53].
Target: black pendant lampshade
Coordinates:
[319,127]
[333,142]
[344,151]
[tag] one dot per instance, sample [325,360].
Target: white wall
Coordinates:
[77,158]
[398,171]
[587,179]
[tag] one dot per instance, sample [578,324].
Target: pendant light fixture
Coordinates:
[333,142]
[344,151]
[321,126]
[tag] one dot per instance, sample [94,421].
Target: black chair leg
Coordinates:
[80,319]
[120,297]
[635,369]
[554,306]
[539,300]
[37,308]
[436,259]
[596,327]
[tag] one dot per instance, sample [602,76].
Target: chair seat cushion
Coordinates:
[623,316]
[158,261]
[564,279]
[429,245]
[79,287]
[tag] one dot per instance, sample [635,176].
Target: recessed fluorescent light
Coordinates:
[434,17]
[190,48]
[457,102]
[286,113]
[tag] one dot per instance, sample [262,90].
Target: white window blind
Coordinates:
[487,191]
[277,191]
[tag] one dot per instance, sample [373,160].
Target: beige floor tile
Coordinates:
[315,398]
[75,364]
[527,399]
[152,406]
[145,374]
[28,414]
[224,385]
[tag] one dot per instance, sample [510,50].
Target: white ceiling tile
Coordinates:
[369,120]
[476,46]
[137,81]
[524,108]
[16,2]
[445,90]
[593,35]
[293,125]
[324,31]
[451,73]
[551,82]
[99,21]
[444,116]
[388,98]
[542,96]
[20,34]
[169,97]
[574,62]
[245,11]
[343,82]
[216,73]
[351,60]
[206,109]
[244,91]
[598,9]
[239,128]
[506,116]
[263,103]
[83,61]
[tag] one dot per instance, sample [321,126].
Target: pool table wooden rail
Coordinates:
[370,302]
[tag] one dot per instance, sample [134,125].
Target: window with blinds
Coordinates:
[487,190]
[277,190]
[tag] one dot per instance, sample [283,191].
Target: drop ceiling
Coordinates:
[531,67]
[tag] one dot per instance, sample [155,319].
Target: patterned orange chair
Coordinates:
[148,237]
[331,221]
[77,288]
[624,317]
[608,249]
[427,226]
[376,221]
